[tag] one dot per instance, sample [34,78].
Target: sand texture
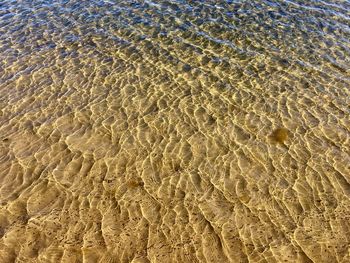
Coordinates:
[174,131]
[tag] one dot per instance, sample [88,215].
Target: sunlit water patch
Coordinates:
[174,131]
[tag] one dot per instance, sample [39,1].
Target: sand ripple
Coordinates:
[173,131]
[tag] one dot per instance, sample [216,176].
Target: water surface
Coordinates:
[174,131]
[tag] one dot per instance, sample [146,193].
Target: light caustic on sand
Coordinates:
[174,132]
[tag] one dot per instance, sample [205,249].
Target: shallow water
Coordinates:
[174,131]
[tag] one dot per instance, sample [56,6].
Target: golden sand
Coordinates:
[122,144]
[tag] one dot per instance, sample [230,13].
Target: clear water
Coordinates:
[174,131]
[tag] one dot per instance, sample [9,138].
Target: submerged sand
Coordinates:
[122,144]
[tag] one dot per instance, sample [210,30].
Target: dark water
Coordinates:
[174,131]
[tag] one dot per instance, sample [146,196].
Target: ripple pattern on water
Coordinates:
[174,131]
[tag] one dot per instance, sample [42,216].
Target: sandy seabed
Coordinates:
[115,147]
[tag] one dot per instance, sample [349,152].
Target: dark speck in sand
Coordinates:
[186,68]
[280,135]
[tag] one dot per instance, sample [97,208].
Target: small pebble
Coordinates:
[280,135]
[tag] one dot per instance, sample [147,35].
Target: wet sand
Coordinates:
[137,133]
